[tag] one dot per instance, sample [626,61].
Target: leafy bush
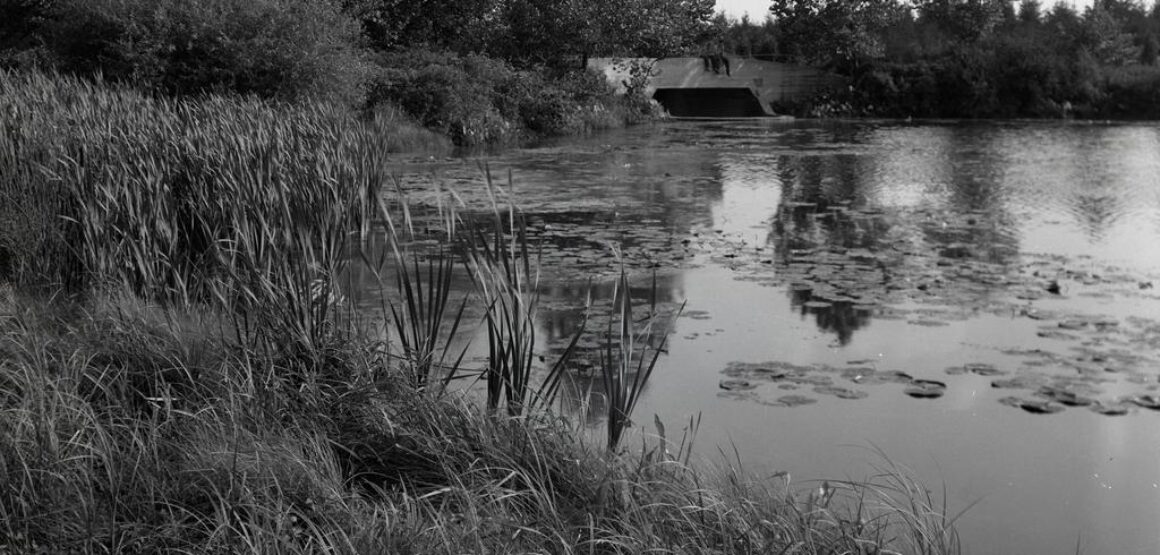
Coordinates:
[479,100]
[285,49]
[1132,92]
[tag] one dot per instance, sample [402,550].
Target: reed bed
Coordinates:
[507,280]
[203,392]
[248,203]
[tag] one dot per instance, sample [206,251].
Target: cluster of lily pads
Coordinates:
[743,378]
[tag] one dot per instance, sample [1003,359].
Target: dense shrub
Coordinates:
[286,49]
[480,100]
[1132,92]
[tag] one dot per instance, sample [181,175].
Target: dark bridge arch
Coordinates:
[725,102]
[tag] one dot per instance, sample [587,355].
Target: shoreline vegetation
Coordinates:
[180,372]
[185,185]
[967,59]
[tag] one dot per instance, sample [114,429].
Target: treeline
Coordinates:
[478,71]
[969,58]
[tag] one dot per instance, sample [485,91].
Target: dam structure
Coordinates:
[721,86]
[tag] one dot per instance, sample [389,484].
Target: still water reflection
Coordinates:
[1018,264]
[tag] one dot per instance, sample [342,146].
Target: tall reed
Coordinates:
[246,204]
[424,321]
[627,367]
[507,280]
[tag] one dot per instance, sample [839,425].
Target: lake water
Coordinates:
[979,301]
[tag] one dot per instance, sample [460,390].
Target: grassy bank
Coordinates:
[179,373]
[132,428]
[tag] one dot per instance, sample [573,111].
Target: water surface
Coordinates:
[979,301]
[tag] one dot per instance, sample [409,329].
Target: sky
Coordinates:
[758,8]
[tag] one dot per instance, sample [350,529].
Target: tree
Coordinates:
[963,20]
[1104,37]
[836,33]
[1029,12]
[555,32]
[392,24]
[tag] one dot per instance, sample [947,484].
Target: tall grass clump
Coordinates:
[507,280]
[248,203]
[422,316]
[628,359]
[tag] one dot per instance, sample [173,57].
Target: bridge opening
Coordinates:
[738,102]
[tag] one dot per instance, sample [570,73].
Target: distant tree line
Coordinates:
[968,58]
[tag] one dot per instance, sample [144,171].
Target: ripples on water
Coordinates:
[815,256]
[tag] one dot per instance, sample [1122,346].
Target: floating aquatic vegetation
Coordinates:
[840,392]
[1032,406]
[1065,396]
[1110,409]
[979,368]
[1025,381]
[1049,333]
[736,385]
[790,401]
[870,376]
[925,389]
[1151,402]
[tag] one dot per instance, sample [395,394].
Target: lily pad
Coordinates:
[1053,334]
[925,389]
[840,392]
[868,376]
[790,401]
[1110,409]
[983,369]
[1065,396]
[736,385]
[1147,401]
[1032,406]
[1020,382]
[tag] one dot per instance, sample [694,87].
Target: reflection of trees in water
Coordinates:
[821,199]
[823,210]
[1096,213]
[842,318]
[641,202]
[975,214]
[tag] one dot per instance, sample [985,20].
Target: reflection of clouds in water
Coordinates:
[751,192]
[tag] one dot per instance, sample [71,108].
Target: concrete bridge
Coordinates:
[724,87]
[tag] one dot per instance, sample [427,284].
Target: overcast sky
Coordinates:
[758,8]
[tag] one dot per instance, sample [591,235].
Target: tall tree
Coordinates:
[963,20]
[393,24]
[555,31]
[837,33]
[1029,12]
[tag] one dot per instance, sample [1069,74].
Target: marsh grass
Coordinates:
[628,360]
[424,321]
[507,280]
[205,393]
[170,195]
